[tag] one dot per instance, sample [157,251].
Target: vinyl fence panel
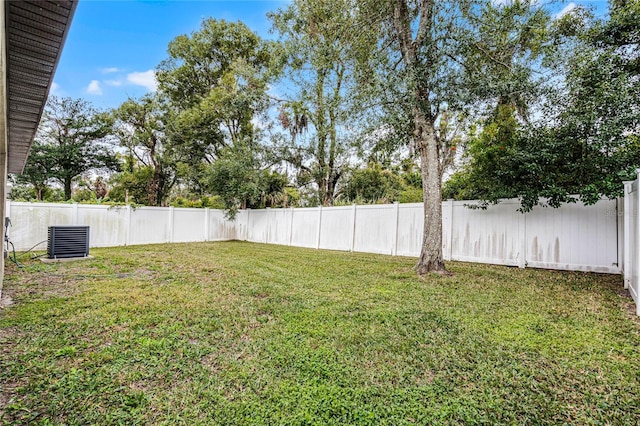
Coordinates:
[410,223]
[305,227]
[188,225]
[376,229]
[221,229]
[337,228]
[574,237]
[105,224]
[149,225]
[30,222]
[489,236]
[279,224]
[258,227]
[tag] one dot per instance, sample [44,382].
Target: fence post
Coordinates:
[396,209]
[268,227]
[353,228]
[319,226]
[74,213]
[450,229]
[522,236]
[170,233]
[206,223]
[127,224]
[626,250]
[291,210]
[637,241]
[246,232]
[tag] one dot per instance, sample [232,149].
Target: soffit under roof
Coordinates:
[35,35]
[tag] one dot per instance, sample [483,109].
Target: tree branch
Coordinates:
[490,57]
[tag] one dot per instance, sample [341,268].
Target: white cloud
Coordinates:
[110,70]
[145,79]
[113,82]
[94,88]
[54,88]
[567,10]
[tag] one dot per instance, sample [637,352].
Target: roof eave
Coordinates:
[35,34]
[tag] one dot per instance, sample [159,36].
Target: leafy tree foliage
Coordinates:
[216,82]
[507,52]
[377,184]
[132,184]
[37,171]
[586,142]
[372,184]
[141,129]
[240,182]
[71,140]
[490,154]
[316,36]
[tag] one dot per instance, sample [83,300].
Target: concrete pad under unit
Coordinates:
[64,259]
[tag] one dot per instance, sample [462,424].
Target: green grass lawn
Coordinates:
[238,333]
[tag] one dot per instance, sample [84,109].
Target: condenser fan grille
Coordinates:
[68,241]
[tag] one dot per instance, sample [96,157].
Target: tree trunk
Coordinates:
[154,187]
[67,189]
[424,132]
[430,259]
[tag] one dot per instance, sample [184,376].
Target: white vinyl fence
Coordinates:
[632,239]
[117,226]
[573,237]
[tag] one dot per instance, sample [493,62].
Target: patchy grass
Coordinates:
[238,333]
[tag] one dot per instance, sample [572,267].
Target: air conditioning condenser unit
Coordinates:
[68,241]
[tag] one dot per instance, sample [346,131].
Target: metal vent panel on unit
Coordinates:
[68,241]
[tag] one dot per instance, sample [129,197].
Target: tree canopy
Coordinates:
[584,143]
[71,140]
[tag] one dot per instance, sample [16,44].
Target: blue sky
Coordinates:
[114,46]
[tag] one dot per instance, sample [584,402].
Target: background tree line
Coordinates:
[365,101]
